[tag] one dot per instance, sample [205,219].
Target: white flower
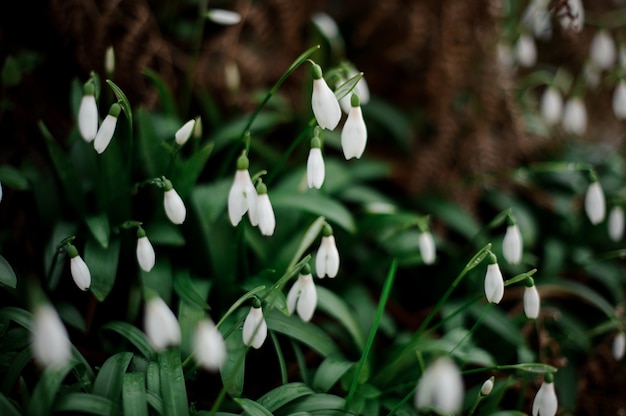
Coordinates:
[78,267]
[361,89]
[427,247]
[545,402]
[325,106]
[551,105]
[160,324]
[223,17]
[441,387]
[184,133]
[302,296]
[208,345]
[602,50]
[354,133]
[254,328]
[315,170]
[485,389]
[526,51]
[242,196]
[494,283]
[616,223]
[572,15]
[538,19]
[512,244]
[619,345]
[88,113]
[49,340]
[109,61]
[594,203]
[174,206]
[326,25]
[531,302]
[145,251]
[619,100]
[327,257]
[107,128]
[575,116]
[265,212]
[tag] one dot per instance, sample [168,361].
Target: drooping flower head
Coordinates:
[616,223]
[602,51]
[619,100]
[145,251]
[49,340]
[223,16]
[326,108]
[265,212]
[107,128]
[526,51]
[532,302]
[551,105]
[487,387]
[494,282]
[545,402]
[575,116]
[88,113]
[427,247]
[242,196]
[354,133]
[315,169]
[595,204]
[619,345]
[254,326]
[327,257]
[173,203]
[512,244]
[209,346]
[184,132]
[441,387]
[78,267]
[302,296]
[160,323]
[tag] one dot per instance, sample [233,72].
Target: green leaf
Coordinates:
[310,236]
[252,408]
[11,72]
[153,379]
[7,275]
[132,334]
[584,292]
[160,279]
[335,306]
[14,370]
[13,178]
[173,389]
[233,370]
[281,395]
[7,407]
[188,171]
[165,234]
[165,93]
[99,227]
[46,390]
[453,215]
[84,403]
[102,264]
[315,203]
[305,332]
[134,394]
[318,403]
[347,87]
[108,382]
[185,289]
[128,110]
[330,371]
[391,119]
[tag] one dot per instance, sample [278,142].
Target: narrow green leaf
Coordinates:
[252,408]
[160,279]
[132,334]
[7,407]
[330,371]
[185,289]
[305,332]
[14,370]
[315,403]
[102,264]
[134,394]
[108,382]
[281,395]
[188,171]
[310,236]
[347,87]
[335,306]
[165,93]
[13,178]
[7,275]
[314,203]
[46,390]
[173,389]
[155,402]
[99,227]
[84,403]
[583,292]
[153,379]
[233,370]
[128,110]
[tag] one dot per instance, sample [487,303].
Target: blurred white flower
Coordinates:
[145,251]
[427,247]
[545,402]
[302,296]
[616,223]
[575,116]
[441,387]
[595,205]
[326,25]
[160,323]
[572,15]
[602,50]
[526,51]
[354,133]
[223,17]
[174,205]
[327,257]
[107,128]
[265,212]
[49,340]
[487,387]
[242,196]
[537,18]
[619,100]
[505,55]
[88,113]
[494,282]
[325,106]
[109,61]
[209,346]
[551,105]
[184,133]
[361,89]
[254,328]
[78,267]
[619,345]
[532,301]
[512,244]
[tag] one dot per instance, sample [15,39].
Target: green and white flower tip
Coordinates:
[327,257]
[315,168]
[619,345]
[616,223]
[572,15]
[197,128]
[532,301]
[242,196]
[255,327]
[209,346]
[326,108]
[595,204]
[173,204]
[354,133]
[232,77]
[526,51]
[545,402]
[619,100]
[49,339]
[109,61]
[184,133]
[441,387]
[145,251]
[512,243]
[107,128]
[494,282]
[265,212]
[602,51]
[223,17]
[302,296]
[361,89]
[574,116]
[551,105]
[160,323]
[78,267]
[487,387]
[88,113]
[427,248]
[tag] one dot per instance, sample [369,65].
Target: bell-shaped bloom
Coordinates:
[173,204]
[354,133]
[526,51]
[426,244]
[78,268]
[575,116]
[602,51]
[494,282]
[315,169]
[49,340]
[209,346]
[619,345]
[572,15]
[160,324]
[302,296]
[184,133]
[532,301]
[265,212]
[545,402]
[619,100]
[616,223]
[254,328]
[88,113]
[595,205]
[551,106]
[512,244]
[441,387]
[242,196]
[361,89]
[145,251]
[107,128]
[327,257]
[537,18]
[487,387]
[109,61]
[223,17]
[326,108]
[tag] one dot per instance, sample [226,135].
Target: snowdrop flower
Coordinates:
[302,296]
[315,170]
[531,299]
[197,127]
[223,17]
[551,105]
[594,202]
[494,283]
[88,113]
[354,133]
[619,100]
[545,402]
[602,50]
[361,89]
[107,128]
[325,106]
[78,267]
[255,327]
[441,387]
[512,244]
[327,257]
[572,15]
[173,204]
[616,223]
[232,77]
[326,25]
[145,251]
[242,196]
[427,247]
[208,345]
[526,51]
[265,212]
[485,389]
[537,19]
[109,61]
[619,345]
[49,340]
[575,116]
[160,324]
[184,133]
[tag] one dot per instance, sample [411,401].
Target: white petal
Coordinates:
[354,134]
[575,116]
[145,254]
[327,258]
[224,17]
[619,345]
[307,301]
[105,133]
[315,169]
[254,328]
[616,223]
[526,51]
[50,342]
[265,212]
[441,387]
[320,259]
[619,101]
[427,247]
[602,50]
[209,346]
[184,133]
[174,207]
[512,245]
[325,106]
[575,19]
[160,324]
[292,296]
[80,273]
[551,106]
[88,118]
[237,205]
[487,387]
[595,205]
[545,402]
[531,302]
[494,284]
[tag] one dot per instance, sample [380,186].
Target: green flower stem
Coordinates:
[479,397]
[520,277]
[283,160]
[474,327]
[535,368]
[402,402]
[238,303]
